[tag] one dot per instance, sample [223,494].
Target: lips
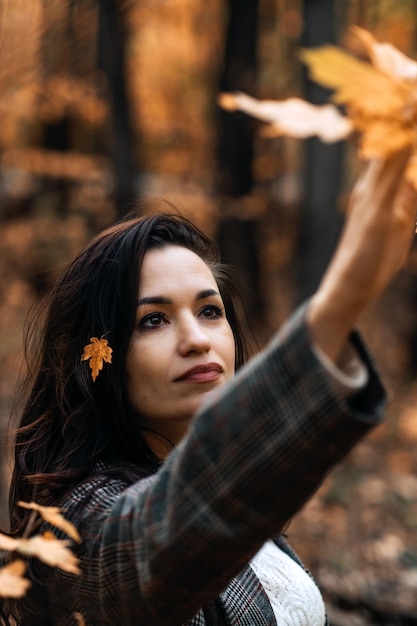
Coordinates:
[202,373]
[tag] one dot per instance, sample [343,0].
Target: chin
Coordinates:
[203,398]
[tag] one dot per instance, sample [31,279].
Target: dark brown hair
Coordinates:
[68,422]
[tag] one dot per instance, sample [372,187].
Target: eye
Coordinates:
[211,311]
[153,320]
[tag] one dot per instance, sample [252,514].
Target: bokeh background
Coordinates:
[109,107]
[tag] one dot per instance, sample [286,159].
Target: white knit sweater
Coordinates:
[295,598]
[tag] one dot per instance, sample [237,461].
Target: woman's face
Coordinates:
[182,347]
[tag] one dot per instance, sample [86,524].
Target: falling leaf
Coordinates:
[52,515]
[50,550]
[97,351]
[12,582]
[294,116]
[46,548]
[379,98]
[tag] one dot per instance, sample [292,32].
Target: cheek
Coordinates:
[136,372]
[229,352]
[143,366]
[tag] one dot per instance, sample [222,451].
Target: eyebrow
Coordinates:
[201,295]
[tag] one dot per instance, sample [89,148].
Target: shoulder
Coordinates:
[93,498]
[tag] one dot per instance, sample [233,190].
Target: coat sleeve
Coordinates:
[255,453]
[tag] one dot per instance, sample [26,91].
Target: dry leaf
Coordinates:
[80,619]
[356,82]
[294,116]
[50,550]
[52,515]
[12,582]
[382,108]
[46,548]
[97,351]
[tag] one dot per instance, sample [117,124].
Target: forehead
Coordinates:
[173,267]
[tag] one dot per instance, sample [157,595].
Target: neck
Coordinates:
[163,437]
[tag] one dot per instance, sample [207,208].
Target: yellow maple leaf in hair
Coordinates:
[98,352]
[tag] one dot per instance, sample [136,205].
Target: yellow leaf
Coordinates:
[356,82]
[52,515]
[12,582]
[381,104]
[97,351]
[384,137]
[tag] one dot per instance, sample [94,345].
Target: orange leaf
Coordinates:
[384,137]
[12,582]
[50,550]
[52,515]
[97,351]
[381,105]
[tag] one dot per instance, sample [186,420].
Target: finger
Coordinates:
[407,204]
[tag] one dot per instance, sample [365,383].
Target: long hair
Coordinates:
[69,422]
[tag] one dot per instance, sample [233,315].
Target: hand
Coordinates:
[374,243]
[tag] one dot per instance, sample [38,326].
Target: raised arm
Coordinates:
[375,241]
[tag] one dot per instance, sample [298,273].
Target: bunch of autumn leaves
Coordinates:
[46,547]
[379,100]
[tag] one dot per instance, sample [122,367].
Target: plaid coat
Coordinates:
[155,552]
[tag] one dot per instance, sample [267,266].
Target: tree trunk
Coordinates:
[111,60]
[236,235]
[321,220]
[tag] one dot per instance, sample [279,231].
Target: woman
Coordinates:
[176,470]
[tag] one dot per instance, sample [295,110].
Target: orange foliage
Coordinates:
[45,547]
[97,351]
[380,100]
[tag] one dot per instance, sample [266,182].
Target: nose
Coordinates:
[192,337]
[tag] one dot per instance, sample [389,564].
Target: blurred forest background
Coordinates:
[108,107]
